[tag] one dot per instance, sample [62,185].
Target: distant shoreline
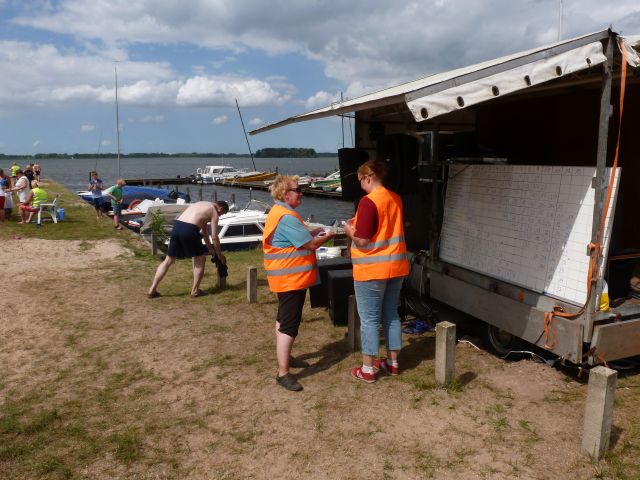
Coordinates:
[82,156]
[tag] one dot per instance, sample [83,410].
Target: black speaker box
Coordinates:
[400,152]
[350,159]
[340,287]
[319,294]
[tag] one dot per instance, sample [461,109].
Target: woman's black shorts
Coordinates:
[290,311]
[186,241]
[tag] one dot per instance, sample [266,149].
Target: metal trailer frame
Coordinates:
[592,337]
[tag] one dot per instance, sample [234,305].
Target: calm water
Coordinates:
[74,174]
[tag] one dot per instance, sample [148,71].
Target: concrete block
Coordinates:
[353,325]
[445,352]
[252,285]
[598,415]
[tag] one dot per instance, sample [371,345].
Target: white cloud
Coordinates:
[105,143]
[254,122]
[220,120]
[384,43]
[223,91]
[36,143]
[321,99]
[39,75]
[87,127]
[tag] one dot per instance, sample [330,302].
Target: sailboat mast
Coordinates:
[245,135]
[115,68]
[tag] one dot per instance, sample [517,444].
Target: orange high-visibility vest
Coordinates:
[287,268]
[385,256]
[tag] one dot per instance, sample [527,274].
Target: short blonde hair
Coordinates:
[120,182]
[34,184]
[281,184]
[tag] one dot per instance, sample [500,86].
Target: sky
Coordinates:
[181,65]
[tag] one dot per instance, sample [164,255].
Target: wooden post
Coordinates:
[353,325]
[215,195]
[252,285]
[200,194]
[222,282]
[598,415]
[154,245]
[445,352]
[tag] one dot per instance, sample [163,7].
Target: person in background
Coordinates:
[186,242]
[21,186]
[115,194]
[14,171]
[95,187]
[379,258]
[37,170]
[5,188]
[3,185]
[28,172]
[37,195]
[291,266]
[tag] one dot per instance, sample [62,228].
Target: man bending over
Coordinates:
[186,242]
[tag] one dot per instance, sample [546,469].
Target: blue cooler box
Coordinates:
[60,214]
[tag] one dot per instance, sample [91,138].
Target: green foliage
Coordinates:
[286,153]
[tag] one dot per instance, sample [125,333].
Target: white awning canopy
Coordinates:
[442,93]
[426,105]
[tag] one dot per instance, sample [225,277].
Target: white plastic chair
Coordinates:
[52,208]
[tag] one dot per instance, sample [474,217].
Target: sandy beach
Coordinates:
[100,382]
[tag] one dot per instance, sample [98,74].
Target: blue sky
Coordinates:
[181,64]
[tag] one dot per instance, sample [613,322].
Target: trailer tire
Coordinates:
[500,341]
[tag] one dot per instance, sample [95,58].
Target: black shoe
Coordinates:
[289,382]
[298,363]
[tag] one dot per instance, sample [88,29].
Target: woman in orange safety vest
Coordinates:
[290,263]
[379,257]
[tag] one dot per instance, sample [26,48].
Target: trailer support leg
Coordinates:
[598,415]
[445,352]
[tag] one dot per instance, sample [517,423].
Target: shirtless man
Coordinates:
[186,242]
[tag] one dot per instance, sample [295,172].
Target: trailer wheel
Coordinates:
[501,341]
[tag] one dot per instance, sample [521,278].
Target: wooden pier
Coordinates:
[148,182]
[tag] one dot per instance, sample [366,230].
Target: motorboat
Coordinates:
[330,182]
[237,229]
[251,177]
[242,229]
[131,193]
[218,173]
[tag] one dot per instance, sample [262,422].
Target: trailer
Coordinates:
[521,179]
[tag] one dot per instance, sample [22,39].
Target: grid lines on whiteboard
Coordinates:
[527,225]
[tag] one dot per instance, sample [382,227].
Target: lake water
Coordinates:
[74,174]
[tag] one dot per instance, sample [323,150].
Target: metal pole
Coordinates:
[115,69]
[342,121]
[560,21]
[600,180]
[245,135]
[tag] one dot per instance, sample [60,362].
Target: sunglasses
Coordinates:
[297,190]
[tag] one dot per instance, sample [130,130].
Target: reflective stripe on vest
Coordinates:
[380,244]
[294,254]
[379,259]
[287,268]
[385,256]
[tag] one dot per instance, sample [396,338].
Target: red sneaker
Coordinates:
[385,367]
[358,374]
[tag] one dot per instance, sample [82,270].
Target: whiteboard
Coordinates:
[526,224]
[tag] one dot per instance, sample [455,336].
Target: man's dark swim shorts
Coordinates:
[186,241]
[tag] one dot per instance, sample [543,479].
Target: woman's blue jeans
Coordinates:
[377,302]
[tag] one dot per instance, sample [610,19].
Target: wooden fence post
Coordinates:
[252,285]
